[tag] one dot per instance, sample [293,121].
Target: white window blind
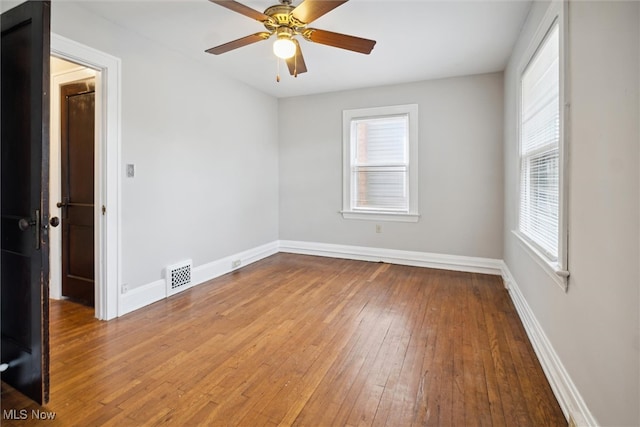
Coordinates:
[539,147]
[380,163]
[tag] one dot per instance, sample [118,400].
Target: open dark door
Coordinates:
[77,135]
[24,202]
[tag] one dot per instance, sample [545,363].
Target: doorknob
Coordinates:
[61,204]
[54,221]
[25,223]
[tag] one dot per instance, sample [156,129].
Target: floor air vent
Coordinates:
[178,277]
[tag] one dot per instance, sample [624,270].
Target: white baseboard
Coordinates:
[563,387]
[142,296]
[155,291]
[223,266]
[394,256]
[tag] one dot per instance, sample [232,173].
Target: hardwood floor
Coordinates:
[301,340]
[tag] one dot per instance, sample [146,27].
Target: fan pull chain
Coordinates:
[295,64]
[278,70]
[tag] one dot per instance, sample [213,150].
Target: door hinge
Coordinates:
[104,209]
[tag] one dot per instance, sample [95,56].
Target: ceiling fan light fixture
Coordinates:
[284,47]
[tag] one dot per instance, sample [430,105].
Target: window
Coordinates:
[540,222]
[380,163]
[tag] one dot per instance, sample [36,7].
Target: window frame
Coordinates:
[380,214]
[557,268]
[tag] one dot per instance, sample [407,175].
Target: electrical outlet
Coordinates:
[236,263]
[378,228]
[125,288]
[131,170]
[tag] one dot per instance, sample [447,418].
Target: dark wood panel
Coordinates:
[16,44]
[15,303]
[80,127]
[300,340]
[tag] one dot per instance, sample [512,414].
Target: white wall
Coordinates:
[204,148]
[460,154]
[593,327]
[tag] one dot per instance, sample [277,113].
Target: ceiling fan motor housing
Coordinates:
[281,16]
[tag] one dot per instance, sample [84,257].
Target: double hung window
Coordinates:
[542,191]
[380,163]
[539,147]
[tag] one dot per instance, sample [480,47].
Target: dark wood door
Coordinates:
[24,134]
[77,135]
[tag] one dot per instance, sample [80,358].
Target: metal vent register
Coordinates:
[178,277]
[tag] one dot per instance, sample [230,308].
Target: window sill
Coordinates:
[381,216]
[560,277]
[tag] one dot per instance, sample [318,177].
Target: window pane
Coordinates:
[540,200]
[540,97]
[380,188]
[381,140]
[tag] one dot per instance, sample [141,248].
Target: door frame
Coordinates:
[107,170]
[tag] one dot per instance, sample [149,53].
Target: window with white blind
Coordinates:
[539,221]
[380,163]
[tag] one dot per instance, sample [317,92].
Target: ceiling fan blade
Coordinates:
[235,44]
[310,10]
[342,41]
[242,9]
[296,63]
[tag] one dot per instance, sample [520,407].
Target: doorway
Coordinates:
[107,186]
[72,186]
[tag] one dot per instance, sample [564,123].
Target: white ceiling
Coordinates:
[416,40]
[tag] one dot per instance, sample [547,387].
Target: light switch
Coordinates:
[131,171]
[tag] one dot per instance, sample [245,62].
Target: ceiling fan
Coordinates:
[286,22]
